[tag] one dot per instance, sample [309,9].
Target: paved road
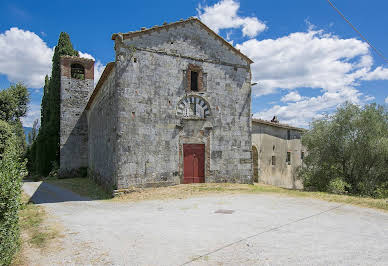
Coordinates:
[262,230]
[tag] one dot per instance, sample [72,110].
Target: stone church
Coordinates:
[173,108]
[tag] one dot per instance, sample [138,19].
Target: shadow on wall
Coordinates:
[47,193]
[74,152]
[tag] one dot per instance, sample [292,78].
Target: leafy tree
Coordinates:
[47,147]
[13,106]
[348,152]
[13,102]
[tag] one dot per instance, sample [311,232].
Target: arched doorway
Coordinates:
[255,159]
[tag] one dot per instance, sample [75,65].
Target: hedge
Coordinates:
[12,171]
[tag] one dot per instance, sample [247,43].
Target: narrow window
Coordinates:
[194,81]
[273,160]
[288,134]
[288,159]
[77,71]
[135,60]
[302,155]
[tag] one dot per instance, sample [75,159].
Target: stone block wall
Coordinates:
[74,96]
[151,79]
[102,120]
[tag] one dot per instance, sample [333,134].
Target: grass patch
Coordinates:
[82,186]
[36,232]
[32,218]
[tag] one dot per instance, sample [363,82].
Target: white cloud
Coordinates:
[306,59]
[292,96]
[300,113]
[386,100]
[24,57]
[380,73]
[312,59]
[223,15]
[33,113]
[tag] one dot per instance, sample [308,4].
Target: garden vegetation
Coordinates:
[348,152]
[13,106]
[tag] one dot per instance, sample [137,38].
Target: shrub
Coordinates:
[5,135]
[12,170]
[382,191]
[337,186]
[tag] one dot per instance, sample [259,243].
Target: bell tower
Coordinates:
[77,84]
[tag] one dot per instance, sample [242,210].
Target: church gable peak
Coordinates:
[168,26]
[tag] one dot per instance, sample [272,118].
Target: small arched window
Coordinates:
[77,71]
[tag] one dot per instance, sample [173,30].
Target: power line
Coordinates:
[358,32]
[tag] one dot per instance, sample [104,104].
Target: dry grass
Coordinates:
[86,187]
[33,224]
[187,191]
[36,232]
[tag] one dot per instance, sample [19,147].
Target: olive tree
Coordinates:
[348,152]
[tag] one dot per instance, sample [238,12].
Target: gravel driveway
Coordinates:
[261,229]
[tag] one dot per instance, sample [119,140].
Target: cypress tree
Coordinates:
[48,139]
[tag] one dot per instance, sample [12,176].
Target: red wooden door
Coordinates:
[193,163]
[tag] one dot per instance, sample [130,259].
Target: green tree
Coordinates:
[13,106]
[31,149]
[348,151]
[47,147]
[34,132]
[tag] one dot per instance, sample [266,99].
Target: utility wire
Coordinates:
[358,32]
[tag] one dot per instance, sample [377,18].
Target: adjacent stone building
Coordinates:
[277,153]
[174,107]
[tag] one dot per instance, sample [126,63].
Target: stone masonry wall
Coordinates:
[272,141]
[73,123]
[151,79]
[102,119]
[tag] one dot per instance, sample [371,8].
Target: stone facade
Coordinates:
[277,153]
[146,107]
[75,93]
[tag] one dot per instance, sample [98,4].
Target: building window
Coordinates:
[77,71]
[273,160]
[288,159]
[195,78]
[302,155]
[288,134]
[194,81]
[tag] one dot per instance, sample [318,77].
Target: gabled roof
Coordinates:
[174,24]
[269,123]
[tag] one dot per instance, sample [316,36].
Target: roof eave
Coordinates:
[132,34]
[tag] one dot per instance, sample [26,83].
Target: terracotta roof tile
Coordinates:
[266,122]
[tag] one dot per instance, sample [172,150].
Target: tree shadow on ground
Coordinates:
[48,193]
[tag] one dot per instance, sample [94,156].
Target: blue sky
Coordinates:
[307,59]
